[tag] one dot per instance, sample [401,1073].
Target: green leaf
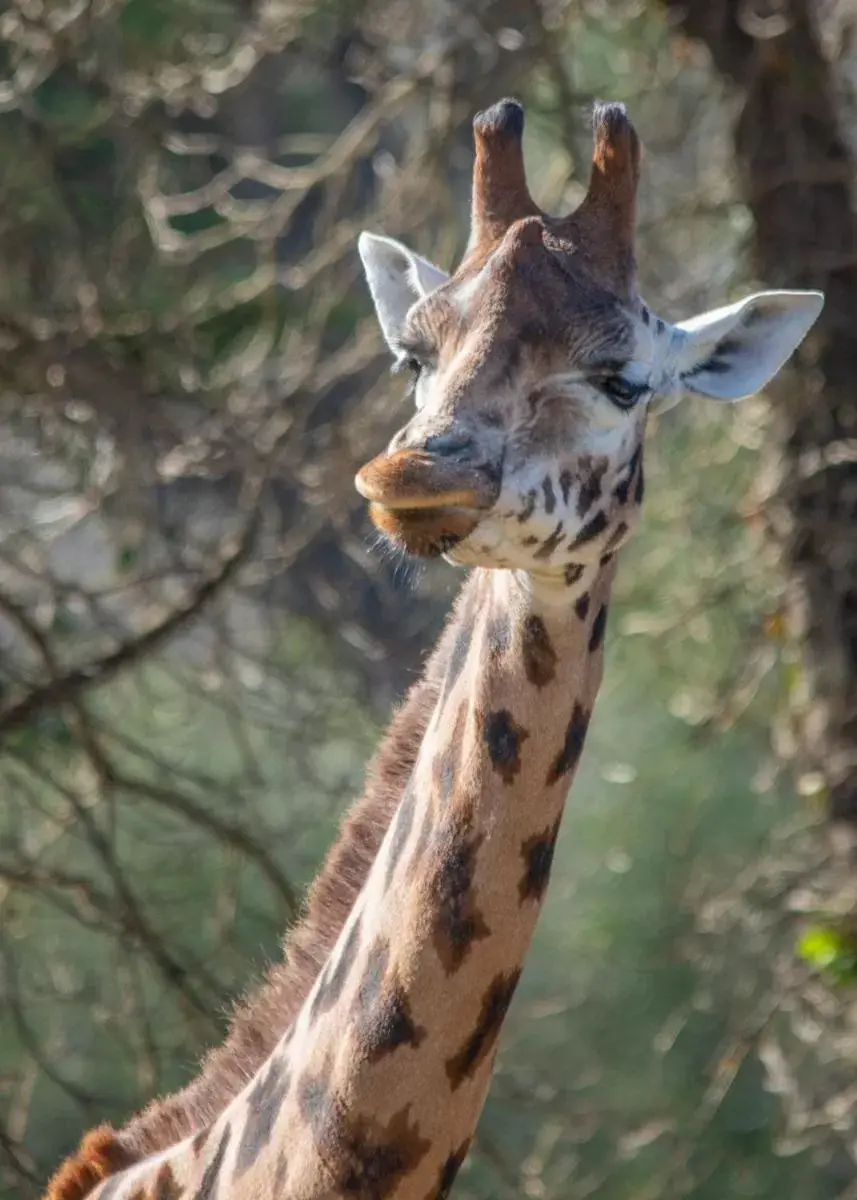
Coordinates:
[821,947]
[831,953]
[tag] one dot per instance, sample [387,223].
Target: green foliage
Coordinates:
[830,951]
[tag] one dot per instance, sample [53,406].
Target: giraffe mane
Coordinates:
[263,1016]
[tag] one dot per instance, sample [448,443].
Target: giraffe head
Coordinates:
[534,365]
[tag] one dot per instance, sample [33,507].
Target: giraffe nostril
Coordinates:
[450,445]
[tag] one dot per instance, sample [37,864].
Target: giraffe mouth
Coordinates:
[424,532]
[425,503]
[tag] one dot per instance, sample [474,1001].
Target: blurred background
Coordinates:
[199,641]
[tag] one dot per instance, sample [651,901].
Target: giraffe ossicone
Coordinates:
[360,1068]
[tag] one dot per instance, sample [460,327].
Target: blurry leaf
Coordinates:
[830,952]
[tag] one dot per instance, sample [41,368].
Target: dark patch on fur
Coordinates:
[581,606]
[590,490]
[449,1171]
[263,1107]
[550,497]
[199,1141]
[537,853]
[589,531]
[644,313]
[620,492]
[596,637]
[529,506]
[569,755]
[333,979]
[458,922]
[550,543]
[367,1160]
[659,325]
[166,1185]
[617,537]
[504,738]
[481,1042]
[458,654]
[444,773]
[281,1170]
[207,1189]
[565,481]
[539,655]
[402,826]
[384,1020]
[574,573]
[640,489]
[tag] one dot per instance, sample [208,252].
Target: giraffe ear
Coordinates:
[397,278]
[730,353]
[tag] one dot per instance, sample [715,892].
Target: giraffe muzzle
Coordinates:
[414,479]
[426,503]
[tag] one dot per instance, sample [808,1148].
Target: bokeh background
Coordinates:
[200,642]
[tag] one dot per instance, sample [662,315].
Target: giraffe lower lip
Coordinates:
[424,532]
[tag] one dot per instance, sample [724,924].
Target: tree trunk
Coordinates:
[796,179]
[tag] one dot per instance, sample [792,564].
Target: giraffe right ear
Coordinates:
[397,278]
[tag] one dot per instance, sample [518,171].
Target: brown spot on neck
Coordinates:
[208,1187]
[264,1102]
[569,754]
[166,1185]
[383,1018]
[362,1157]
[504,738]
[458,922]
[537,853]
[479,1044]
[539,656]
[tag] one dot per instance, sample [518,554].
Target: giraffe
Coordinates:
[361,1067]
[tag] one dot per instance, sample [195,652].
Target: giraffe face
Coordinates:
[529,384]
[534,366]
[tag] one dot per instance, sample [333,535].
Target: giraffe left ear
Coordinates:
[731,353]
[397,278]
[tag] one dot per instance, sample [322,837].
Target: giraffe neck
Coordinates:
[376,1089]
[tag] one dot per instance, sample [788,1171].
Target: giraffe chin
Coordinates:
[424,532]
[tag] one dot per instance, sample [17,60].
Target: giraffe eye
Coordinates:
[412,366]
[622,392]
